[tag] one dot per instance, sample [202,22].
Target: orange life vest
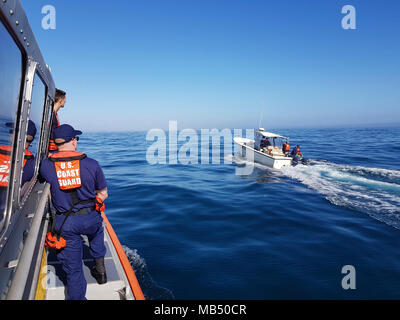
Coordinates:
[5,163]
[68,170]
[286,147]
[52,144]
[298,153]
[67,166]
[55,241]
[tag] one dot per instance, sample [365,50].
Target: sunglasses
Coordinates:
[29,138]
[76,138]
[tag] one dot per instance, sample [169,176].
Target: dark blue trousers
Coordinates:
[91,225]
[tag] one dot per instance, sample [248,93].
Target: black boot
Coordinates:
[99,271]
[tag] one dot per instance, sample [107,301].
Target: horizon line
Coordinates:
[344,126]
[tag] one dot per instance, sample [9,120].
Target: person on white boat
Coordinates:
[265,143]
[296,151]
[286,148]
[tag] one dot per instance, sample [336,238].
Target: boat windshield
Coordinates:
[266,140]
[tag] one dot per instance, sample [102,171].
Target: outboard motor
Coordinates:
[299,160]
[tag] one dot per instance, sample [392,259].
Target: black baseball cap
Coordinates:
[65,133]
[31,130]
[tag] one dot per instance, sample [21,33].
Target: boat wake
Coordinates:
[150,289]
[371,190]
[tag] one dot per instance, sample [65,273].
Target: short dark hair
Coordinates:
[59,95]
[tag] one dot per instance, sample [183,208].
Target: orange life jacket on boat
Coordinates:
[5,163]
[286,147]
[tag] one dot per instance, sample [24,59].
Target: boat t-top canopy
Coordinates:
[266,134]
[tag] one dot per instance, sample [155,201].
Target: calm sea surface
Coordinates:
[202,232]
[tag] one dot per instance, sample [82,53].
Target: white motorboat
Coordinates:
[266,149]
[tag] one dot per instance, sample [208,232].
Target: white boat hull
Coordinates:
[247,151]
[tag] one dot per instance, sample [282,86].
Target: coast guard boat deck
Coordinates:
[116,288]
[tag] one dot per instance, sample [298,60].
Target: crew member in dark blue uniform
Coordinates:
[76,181]
[296,152]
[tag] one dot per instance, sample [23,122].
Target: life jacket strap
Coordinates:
[79,212]
[53,158]
[70,212]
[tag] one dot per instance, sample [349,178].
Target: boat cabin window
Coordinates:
[10,81]
[32,151]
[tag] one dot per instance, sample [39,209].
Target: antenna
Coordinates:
[261,117]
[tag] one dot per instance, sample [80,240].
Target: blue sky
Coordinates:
[135,65]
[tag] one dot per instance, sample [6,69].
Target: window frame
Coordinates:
[47,123]
[21,126]
[25,190]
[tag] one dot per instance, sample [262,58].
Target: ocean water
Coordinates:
[200,231]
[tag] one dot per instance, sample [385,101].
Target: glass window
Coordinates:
[32,153]
[10,81]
